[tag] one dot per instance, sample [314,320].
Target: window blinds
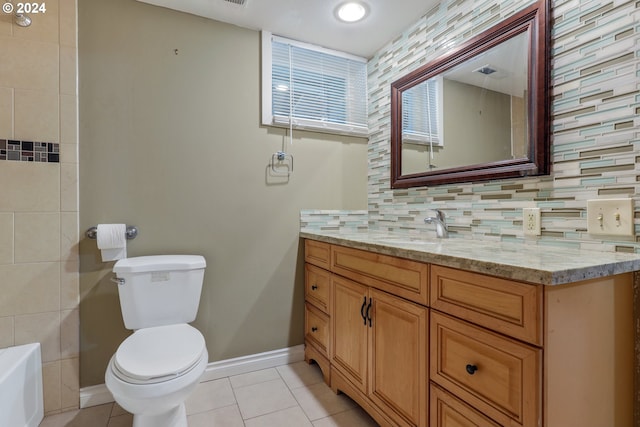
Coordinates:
[317,89]
[422,113]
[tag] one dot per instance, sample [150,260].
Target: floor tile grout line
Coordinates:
[235,397]
[273,412]
[213,409]
[299,377]
[294,396]
[233,389]
[113,406]
[249,385]
[308,386]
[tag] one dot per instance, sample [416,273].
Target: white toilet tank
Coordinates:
[160,289]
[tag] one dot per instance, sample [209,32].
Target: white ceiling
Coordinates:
[313,21]
[508,59]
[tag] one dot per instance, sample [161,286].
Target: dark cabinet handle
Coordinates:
[471,369]
[313,329]
[368,312]
[314,287]
[364,303]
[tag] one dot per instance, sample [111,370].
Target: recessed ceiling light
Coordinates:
[352,11]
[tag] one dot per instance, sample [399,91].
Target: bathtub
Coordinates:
[21,402]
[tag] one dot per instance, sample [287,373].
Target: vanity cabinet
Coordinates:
[419,344]
[380,301]
[380,346]
[378,349]
[558,355]
[487,366]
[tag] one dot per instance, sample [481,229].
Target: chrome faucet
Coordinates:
[440,222]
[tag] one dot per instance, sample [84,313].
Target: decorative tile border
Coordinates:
[29,151]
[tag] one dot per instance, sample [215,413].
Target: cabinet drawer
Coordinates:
[498,376]
[398,276]
[316,325]
[317,287]
[317,253]
[509,307]
[447,411]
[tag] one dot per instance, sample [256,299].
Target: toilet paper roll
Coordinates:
[112,241]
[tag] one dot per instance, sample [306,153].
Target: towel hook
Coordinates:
[282,163]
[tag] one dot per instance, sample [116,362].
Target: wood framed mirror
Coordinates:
[479,112]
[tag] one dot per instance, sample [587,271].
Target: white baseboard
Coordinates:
[99,394]
[253,362]
[95,395]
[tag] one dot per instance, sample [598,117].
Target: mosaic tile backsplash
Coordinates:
[334,220]
[595,142]
[29,151]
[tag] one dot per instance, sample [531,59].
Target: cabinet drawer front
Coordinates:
[447,411]
[398,276]
[317,329]
[499,376]
[317,253]
[512,308]
[317,287]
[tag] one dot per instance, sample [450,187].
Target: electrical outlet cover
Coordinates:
[531,221]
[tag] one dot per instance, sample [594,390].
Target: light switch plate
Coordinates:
[611,217]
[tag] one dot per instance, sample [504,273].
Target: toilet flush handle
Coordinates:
[117,280]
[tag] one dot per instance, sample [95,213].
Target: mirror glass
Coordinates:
[480,113]
[485,102]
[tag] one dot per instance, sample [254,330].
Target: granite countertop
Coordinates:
[546,265]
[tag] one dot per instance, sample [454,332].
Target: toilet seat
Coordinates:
[158,354]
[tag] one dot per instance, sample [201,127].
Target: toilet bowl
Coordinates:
[156,368]
[153,372]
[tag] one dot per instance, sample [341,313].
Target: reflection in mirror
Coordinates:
[484,101]
[480,112]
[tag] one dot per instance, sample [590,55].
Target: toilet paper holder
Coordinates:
[131,233]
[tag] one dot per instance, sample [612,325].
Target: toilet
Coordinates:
[157,367]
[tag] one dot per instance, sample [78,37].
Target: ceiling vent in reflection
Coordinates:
[236,2]
[485,69]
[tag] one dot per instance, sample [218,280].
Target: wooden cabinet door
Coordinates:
[398,358]
[350,330]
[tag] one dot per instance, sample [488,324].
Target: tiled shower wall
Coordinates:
[595,143]
[39,195]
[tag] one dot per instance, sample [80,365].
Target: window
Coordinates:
[422,113]
[308,87]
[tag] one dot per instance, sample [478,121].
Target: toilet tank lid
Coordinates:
[150,263]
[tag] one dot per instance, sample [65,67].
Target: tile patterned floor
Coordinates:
[287,396]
